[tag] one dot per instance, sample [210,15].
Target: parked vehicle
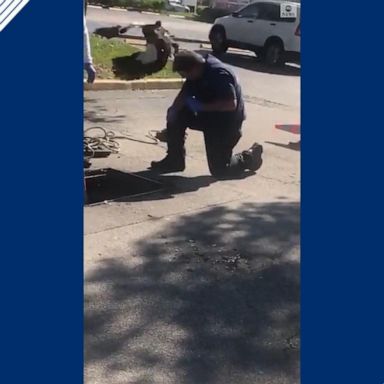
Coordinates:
[261,27]
[176,6]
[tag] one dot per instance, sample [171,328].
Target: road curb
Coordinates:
[134,85]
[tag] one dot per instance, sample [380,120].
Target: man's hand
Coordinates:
[194,105]
[90,71]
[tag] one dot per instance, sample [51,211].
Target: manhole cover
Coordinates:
[108,184]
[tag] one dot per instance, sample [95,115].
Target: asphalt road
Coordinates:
[198,284]
[98,17]
[260,84]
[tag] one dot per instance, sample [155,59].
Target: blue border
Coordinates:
[41,193]
[342,192]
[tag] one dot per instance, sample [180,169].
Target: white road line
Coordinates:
[177,16]
[108,9]
[150,13]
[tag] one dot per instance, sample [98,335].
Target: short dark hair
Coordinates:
[186,60]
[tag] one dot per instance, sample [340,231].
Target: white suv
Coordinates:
[260,27]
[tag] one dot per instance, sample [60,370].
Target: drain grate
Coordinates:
[109,184]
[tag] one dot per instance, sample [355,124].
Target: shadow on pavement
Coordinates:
[97,113]
[214,299]
[176,184]
[247,61]
[98,116]
[172,185]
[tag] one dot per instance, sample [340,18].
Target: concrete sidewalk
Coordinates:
[199,283]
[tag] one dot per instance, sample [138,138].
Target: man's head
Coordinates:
[189,64]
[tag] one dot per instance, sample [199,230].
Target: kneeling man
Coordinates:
[210,101]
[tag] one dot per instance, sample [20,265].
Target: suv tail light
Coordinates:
[298,31]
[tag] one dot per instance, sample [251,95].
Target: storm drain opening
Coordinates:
[108,184]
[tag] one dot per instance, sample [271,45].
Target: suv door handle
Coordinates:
[249,21]
[272,24]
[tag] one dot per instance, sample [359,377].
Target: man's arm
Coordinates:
[229,105]
[88,62]
[87,45]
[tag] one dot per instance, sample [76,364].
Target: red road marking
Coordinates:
[292,128]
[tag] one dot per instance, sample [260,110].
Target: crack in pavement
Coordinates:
[280,181]
[267,103]
[152,218]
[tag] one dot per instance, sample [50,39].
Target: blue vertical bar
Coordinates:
[41,193]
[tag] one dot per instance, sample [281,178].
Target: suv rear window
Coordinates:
[252,10]
[269,11]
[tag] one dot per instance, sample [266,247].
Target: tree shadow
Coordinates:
[99,116]
[214,298]
[97,113]
[247,61]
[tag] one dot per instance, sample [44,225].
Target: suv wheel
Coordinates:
[218,41]
[274,54]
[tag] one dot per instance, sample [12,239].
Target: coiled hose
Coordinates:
[105,142]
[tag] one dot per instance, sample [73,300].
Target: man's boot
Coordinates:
[175,159]
[252,157]
[169,164]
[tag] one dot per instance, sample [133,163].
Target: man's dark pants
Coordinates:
[222,131]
